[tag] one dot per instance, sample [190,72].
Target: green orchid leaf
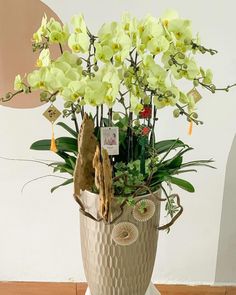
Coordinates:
[175,162]
[159,177]
[185,171]
[164,145]
[64,168]
[64,144]
[171,148]
[204,163]
[63,155]
[69,129]
[72,162]
[184,184]
[176,159]
[68,181]
[67,144]
[41,145]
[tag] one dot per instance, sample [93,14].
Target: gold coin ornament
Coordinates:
[194,93]
[125,234]
[144,210]
[52,114]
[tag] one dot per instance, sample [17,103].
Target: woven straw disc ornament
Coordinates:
[125,234]
[144,213]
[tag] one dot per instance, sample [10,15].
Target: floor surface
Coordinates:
[12,288]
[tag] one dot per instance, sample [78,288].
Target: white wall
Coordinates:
[39,238]
[226,257]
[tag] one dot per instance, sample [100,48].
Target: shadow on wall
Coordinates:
[226,257]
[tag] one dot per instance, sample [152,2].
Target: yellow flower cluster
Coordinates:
[144,58]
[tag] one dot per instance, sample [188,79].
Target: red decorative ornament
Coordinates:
[145,131]
[146,112]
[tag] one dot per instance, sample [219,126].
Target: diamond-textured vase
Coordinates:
[118,269]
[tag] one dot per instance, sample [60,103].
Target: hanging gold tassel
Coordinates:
[53,147]
[52,114]
[190,128]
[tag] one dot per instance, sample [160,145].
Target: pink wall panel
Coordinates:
[18,21]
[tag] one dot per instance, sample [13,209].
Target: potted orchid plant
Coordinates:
[116,83]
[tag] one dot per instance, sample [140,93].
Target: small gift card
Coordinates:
[110,140]
[52,114]
[195,94]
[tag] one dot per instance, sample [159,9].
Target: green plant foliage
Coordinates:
[164,145]
[68,129]
[63,184]
[171,207]
[127,177]
[143,206]
[185,185]
[65,144]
